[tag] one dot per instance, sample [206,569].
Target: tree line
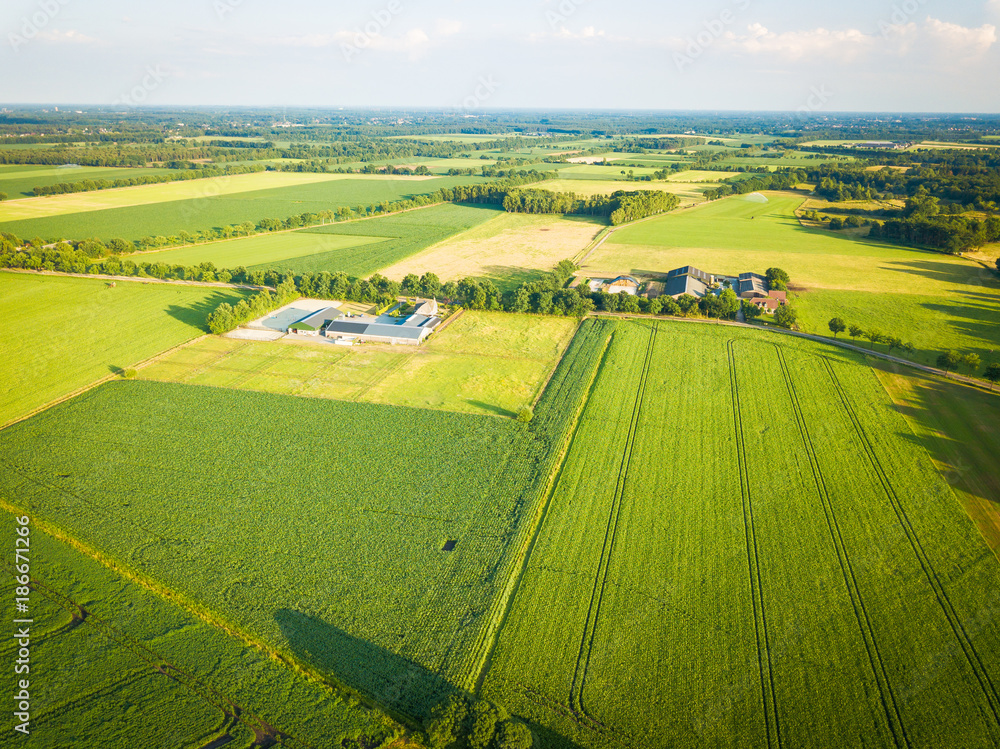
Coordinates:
[619,207]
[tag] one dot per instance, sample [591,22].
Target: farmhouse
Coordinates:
[707,278]
[751,286]
[314,323]
[623,283]
[769,304]
[404,331]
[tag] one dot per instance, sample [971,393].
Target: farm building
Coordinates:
[706,278]
[427,308]
[399,331]
[623,283]
[314,323]
[769,304]
[751,286]
[678,286]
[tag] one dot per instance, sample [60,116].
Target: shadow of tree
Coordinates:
[388,678]
[196,314]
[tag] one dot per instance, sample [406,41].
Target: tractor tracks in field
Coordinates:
[265,734]
[890,705]
[585,652]
[954,620]
[768,693]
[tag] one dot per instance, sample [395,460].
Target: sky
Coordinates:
[795,55]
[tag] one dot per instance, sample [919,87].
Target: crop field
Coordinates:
[124,197]
[116,664]
[399,236]
[796,569]
[484,363]
[209,210]
[935,301]
[262,250]
[361,498]
[19,180]
[61,333]
[508,249]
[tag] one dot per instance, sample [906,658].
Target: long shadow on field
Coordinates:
[383,676]
[196,314]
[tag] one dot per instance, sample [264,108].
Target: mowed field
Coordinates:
[62,333]
[508,249]
[935,301]
[747,546]
[324,540]
[209,210]
[483,363]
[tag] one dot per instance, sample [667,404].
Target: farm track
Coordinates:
[601,580]
[890,706]
[768,692]
[218,700]
[954,620]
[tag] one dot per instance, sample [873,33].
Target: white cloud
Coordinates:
[960,40]
[66,37]
[796,45]
[448,27]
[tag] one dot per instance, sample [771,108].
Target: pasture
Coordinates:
[507,249]
[747,546]
[209,211]
[485,363]
[62,333]
[935,301]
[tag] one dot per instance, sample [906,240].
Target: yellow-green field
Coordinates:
[508,249]
[483,363]
[82,202]
[688,192]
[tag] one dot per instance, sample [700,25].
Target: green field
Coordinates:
[933,300]
[746,546]
[19,180]
[115,664]
[212,210]
[484,363]
[269,250]
[61,334]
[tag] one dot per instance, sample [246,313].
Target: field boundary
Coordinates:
[138,279]
[538,521]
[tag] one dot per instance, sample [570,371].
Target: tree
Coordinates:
[525,414]
[430,284]
[786,316]
[751,311]
[949,361]
[513,735]
[992,374]
[893,342]
[729,304]
[777,279]
[971,363]
[856,331]
[837,326]
[3,196]
[655,306]
[445,722]
[874,336]
[411,284]
[485,718]
[998,265]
